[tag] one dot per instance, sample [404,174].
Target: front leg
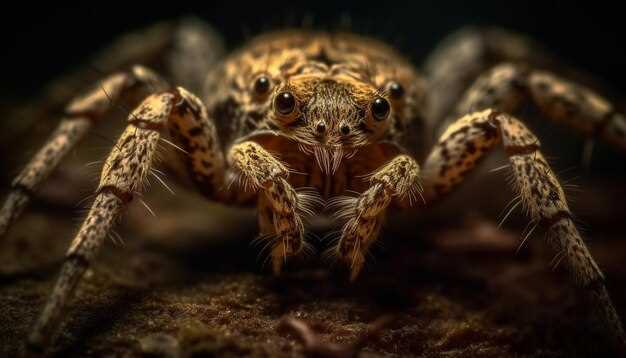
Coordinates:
[475,135]
[364,214]
[123,175]
[280,206]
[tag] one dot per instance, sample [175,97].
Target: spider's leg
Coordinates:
[468,140]
[123,175]
[81,115]
[467,53]
[507,87]
[257,170]
[184,49]
[192,130]
[181,50]
[364,214]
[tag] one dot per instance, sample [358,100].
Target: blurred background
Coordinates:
[48,39]
[460,284]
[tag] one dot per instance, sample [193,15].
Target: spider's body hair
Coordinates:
[334,78]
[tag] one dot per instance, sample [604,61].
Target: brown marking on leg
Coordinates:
[191,127]
[507,87]
[502,88]
[539,191]
[459,149]
[81,114]
[123,174]
[101,218]
[464,55]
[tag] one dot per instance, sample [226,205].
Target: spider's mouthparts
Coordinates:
[328,157]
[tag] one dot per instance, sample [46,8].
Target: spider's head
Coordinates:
[332,116]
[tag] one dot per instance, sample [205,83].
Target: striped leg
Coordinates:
[123,175]
[364,214]
[466,54]
[507,87]
[468,140]
[81,115]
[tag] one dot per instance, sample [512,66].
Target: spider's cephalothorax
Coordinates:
[325,95]
[344,120]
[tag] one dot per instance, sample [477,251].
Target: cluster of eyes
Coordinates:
[285,102]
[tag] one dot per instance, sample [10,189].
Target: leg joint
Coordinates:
[124,196]
[146,124]
[521,149]
[558,216]
[17,185]
[77,259]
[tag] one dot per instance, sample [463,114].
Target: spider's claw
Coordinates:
[356,267]
[285,247]
[356,238]
[355,259]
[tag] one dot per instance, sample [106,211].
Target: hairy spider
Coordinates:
[295,121]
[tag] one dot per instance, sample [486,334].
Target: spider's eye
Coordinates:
[285,103]
[396,90]
[261,85]
[380,108]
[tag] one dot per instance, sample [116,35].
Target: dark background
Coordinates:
[41,41]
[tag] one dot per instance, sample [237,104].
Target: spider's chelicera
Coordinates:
[295,121]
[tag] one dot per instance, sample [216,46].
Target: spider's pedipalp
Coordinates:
[280,207]
[364,215]
[309,201]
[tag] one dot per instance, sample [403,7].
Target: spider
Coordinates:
[296,122]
